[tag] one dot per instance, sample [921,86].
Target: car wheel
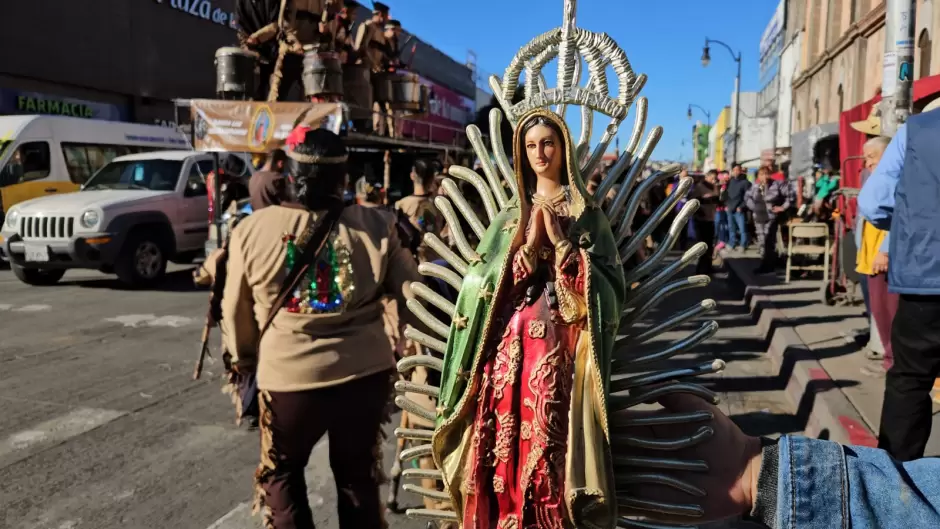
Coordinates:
[141,263]
[37,277]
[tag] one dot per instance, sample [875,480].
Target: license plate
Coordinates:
[37,253]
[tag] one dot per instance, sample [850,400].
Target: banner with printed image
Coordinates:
[256,126]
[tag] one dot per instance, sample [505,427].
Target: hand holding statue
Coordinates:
[733,460]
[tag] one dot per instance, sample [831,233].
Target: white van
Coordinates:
[46,155]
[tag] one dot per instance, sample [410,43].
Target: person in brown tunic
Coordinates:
[300,23]
[341,29]
[268,187]
[324,365]
[420,208]
[370,46]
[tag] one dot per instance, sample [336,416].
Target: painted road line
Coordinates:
[132,320]
[24,308]
[152,320]
[237,515]
[56,430]
[33,308]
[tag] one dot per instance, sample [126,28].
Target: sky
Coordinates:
[662,38]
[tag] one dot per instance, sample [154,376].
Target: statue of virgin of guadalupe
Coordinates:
[543,368]
[542,353]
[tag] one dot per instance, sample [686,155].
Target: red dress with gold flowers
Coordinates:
[516,470]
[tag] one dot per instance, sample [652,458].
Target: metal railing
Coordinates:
[458,136]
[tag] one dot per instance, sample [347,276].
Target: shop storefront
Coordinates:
[110,59]
[23,102]
[818,144]
[851,141]
[925,90]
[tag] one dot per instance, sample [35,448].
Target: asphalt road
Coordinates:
[101,426]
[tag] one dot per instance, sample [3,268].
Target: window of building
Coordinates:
[923,55]
[30,161]
[799,121]
[84,159]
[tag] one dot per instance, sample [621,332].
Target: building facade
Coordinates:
[774,101]
[840,66]
[722,127]
[110,59]
[700,134]
[712,161]
[128,59]
[756,131]
[771,50]
[789,69]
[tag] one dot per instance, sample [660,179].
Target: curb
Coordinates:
[817,398]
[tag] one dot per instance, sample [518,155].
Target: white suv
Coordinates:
[130,218]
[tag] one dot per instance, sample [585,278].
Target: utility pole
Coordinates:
[897,84]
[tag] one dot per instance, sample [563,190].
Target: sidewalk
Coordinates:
[806,341]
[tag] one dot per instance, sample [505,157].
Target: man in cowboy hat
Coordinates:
[871,128]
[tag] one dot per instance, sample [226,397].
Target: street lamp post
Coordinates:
[708,115]
[708,119]
[706,58]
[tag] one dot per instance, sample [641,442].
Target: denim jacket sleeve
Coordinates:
[825,485]
[876,199]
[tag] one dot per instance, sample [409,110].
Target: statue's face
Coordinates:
[544,152]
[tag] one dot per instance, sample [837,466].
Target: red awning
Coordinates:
[851,141]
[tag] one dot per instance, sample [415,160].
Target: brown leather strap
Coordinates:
[308,255]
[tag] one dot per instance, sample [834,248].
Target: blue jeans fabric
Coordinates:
[737,228]
[825,485]
[721,226]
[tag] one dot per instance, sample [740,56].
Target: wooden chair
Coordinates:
[811,231]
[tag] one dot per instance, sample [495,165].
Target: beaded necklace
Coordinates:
[327,284]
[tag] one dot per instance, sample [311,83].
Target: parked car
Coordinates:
[47,155]
[130,218]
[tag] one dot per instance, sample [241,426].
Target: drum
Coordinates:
[323,73]
[357,91]
[236,73]
[382,86]
[406,92]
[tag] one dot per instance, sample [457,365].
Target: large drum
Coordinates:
[382,86]
[357,88]
[236,73]
[407,92]
[323,73]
